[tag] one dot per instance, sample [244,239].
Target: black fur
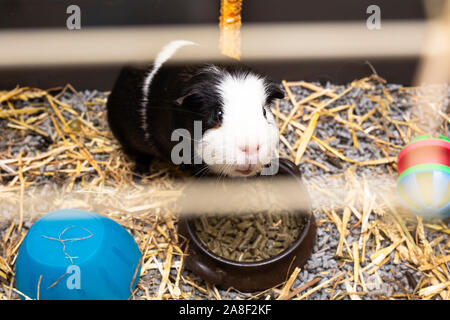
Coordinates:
[177,97]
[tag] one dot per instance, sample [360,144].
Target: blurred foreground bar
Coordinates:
[334,52]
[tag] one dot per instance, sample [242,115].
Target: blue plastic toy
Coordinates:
[77,255]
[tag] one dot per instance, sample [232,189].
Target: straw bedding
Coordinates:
[56,152]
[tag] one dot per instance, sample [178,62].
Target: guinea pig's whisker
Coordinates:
[203,171]
[220,175]
[223,170]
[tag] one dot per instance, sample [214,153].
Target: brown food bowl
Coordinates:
[250,276]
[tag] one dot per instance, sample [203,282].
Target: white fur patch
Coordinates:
[165,54]
[243,97]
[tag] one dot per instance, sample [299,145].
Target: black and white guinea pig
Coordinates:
[222,111]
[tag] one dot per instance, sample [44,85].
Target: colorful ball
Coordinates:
[424,182]
[77,255]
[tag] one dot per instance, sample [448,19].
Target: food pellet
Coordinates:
[249,237]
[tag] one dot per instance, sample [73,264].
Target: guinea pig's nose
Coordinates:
[250,149]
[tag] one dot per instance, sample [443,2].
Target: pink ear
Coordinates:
[180,100]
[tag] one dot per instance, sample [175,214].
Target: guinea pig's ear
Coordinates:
[274,91]
[181,99]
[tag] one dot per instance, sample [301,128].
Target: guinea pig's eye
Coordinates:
[264,112]
[219,115]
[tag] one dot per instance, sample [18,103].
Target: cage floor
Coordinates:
[56,152]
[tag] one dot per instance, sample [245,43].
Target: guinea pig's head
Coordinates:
[239,133]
